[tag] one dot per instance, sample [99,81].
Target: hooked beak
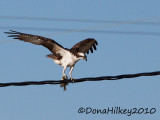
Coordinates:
[85,57]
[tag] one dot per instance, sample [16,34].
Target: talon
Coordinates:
[72,79]
[64,77]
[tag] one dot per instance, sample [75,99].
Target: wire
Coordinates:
[106,26]
[72,20]
[90,31]
[91,28]
[118,77]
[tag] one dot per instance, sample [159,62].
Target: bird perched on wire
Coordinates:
[61,56]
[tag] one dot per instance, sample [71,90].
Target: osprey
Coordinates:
[61,56]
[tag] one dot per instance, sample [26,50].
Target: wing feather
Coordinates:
[94,46]
[85,46]
[52,45]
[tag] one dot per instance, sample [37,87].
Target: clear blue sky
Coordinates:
[117,54]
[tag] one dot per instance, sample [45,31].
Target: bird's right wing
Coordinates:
[52,45]
[85,45]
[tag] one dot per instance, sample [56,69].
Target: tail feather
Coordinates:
[54,57]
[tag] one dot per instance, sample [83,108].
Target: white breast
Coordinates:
[68,60]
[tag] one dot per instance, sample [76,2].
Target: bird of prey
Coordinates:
[61,56]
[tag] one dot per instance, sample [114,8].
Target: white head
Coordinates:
[82,56]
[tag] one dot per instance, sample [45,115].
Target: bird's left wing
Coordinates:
[85,45]
[52,45]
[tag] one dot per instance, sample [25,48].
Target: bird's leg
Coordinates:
[70,73]
[64,77]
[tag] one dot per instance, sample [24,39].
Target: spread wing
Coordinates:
[85,45]
[52,45]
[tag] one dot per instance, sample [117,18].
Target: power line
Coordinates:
[87,31]
[55,82]
[73,20]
